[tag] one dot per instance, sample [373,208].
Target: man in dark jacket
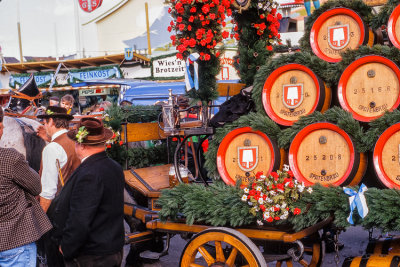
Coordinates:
[88,213]
[22,220]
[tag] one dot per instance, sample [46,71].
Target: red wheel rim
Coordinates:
[294,147]
[349,71]
[266,93]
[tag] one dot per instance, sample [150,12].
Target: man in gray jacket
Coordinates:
[22,220]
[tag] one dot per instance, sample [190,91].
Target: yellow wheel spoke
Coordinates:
[220,253]
[195,265]
[232,257]
[207,256]
[246,265]
[289,264]
[304,263]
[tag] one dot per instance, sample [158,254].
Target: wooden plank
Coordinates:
[155,177]
[234,88]
[142,132]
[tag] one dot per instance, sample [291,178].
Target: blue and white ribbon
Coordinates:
[357,200]
[188,78]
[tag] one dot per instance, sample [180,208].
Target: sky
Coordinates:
[43,22]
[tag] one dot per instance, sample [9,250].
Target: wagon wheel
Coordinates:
[316,249]
[221,245]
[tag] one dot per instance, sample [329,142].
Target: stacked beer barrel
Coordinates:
[342,65]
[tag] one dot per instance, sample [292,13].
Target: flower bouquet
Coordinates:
[273,198]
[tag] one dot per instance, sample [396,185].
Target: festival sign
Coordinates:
[89,5]
[42,79]
[168,66]
[91,74]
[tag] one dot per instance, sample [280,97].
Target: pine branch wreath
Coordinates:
[336,115]
[221,205]
[357,5]
[256,121]
[378,126]
[349,56]
[384,13]
[319,67]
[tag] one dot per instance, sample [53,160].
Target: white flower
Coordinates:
[258,188]
[256,209]
[286,213]
[273,193]
[271,209]
[260,201]
[262,177]
[260,222]
[309,190]
[286,184]
[250,203]
[266,215]
[284,205]
[277,205]
[246,190]
[286,167]
[244,197]
[268,200]
[284,217]
[260,5]
[300,187]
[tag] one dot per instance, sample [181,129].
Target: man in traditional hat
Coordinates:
[22,220]
[58,157]
[88,213]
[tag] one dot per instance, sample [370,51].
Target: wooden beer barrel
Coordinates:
[323,153]
[294,90]
[372,261]
[369,87]
[243,152]
[386,157]
[384,246]
[336,30]
[393,28]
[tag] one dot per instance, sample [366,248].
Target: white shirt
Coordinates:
[50,154]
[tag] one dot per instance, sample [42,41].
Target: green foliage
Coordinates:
[319,67]
[335,115]
[378,126]
[117,153]
[217,205]
[140,157]
[357,5]
[384,13]
[256,121]
[221,205]
[252,52]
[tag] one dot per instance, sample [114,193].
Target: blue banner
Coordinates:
[94,74]
[40,79]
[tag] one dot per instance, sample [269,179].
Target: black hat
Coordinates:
[90,131]
[55,112]
[29,88]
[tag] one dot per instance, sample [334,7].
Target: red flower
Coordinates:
[279,16]
[270,219]
[207,57]
[280,187]
[296,211]
[225,34]
[212,16]
[275,175]
[276,209]
[290,173]
[108,146]
[205,9]
[189,27]
[277,218]
[262,16]
[262,207]
[258,174]
[252,192]
[269,48]
[121,143]
[178,5]
[217,55]
[181,27]
[179,19]
[193,10]
[169,28]
[254,185]
[229,12]
[169,10]
[191,19]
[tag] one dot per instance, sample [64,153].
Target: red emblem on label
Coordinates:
[338,36]
[89,5]
[292,95]
[248,157]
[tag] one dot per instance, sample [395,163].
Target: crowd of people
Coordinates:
[71,212]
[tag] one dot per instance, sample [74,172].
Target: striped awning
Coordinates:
[68,88]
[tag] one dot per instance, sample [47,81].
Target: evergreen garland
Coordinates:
[252,52]
[319,67]
[349,56]
[357,5]
[221,205]
[256,121]
[336,115]
[384,13]
[378,126]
